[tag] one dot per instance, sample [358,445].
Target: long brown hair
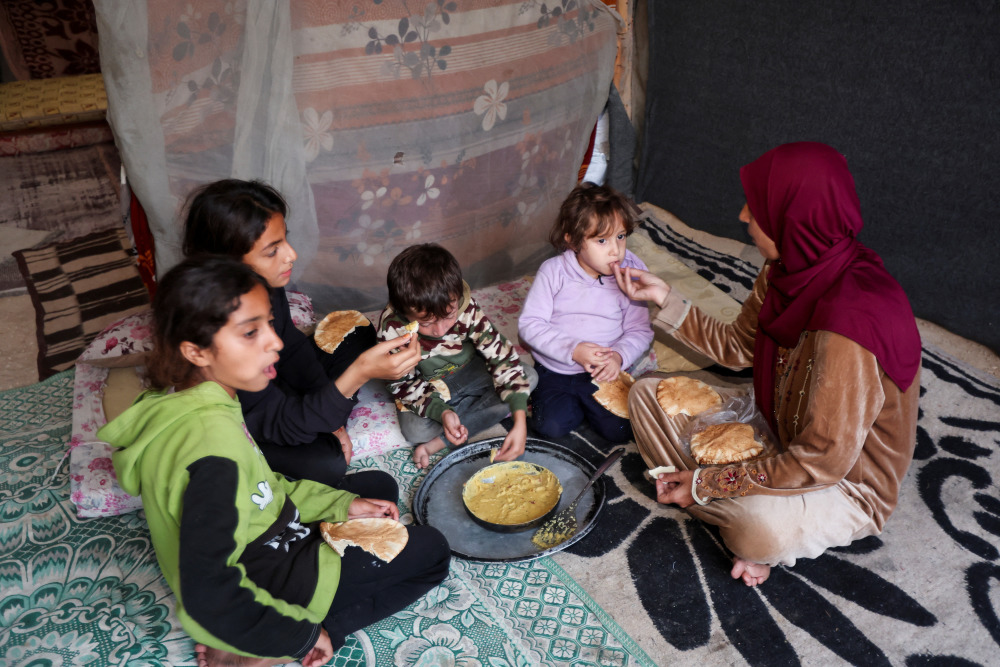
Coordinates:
[193,301]
[228,216]
[590,210]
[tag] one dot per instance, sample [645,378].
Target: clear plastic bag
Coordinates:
[736,407]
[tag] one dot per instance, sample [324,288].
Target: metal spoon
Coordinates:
[563,524]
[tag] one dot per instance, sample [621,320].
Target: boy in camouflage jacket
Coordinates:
[469,377]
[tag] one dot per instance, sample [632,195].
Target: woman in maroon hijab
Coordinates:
[836,359]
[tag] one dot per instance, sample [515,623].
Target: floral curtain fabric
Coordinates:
[384,122]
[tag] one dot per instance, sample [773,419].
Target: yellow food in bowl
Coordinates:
[511,493]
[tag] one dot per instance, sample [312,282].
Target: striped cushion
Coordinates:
[79,287]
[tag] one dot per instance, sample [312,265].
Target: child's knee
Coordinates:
[440,553]
[437,544]
[417,429]
[550,427]
[615,429]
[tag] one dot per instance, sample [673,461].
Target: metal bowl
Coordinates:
[510,527]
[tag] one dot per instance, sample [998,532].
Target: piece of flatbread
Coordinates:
[442,388]
[682,395]
[383,538]
[613,396]
[655,473]
[406,329]
[337,326]
[725,443]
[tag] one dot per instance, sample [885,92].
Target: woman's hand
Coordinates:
[640,285]
[675,488]
[591,356]
[372,508]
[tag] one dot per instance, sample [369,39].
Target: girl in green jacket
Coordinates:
[239,544]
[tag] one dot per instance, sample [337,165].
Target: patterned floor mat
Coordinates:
[78,592]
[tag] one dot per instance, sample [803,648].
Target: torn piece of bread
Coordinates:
[613,396]
[682,395]
[720,444]
[383,538]
[655,473]
[442,388]
[336,326]
[406,329]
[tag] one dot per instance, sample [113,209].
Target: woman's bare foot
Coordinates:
[213,657]
[345,443]
[751,573]
[422,453]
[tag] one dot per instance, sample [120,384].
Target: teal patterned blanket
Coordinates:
[89,591]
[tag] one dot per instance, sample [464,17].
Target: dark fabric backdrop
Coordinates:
[908,90]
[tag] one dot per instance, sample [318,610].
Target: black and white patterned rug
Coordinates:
[925,592]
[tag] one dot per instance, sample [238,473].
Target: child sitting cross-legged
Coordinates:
[579,326]
[469,377]
[239,544]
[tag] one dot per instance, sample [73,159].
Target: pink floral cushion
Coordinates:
[301,307]
[373,426]
[124,343]
[94,488]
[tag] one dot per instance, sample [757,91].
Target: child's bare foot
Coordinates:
[213,657]
[751,573]
[422,453]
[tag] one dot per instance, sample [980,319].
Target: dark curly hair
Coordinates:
[424,278]
[590,210]
[227,217]
[193,301]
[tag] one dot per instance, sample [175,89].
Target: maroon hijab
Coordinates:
[802,196]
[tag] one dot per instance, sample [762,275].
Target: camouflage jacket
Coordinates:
[424,391]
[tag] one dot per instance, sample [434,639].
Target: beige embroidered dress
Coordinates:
[846,435]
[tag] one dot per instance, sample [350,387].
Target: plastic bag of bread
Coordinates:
[734,433]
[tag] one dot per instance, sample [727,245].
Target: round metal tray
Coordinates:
[438,501]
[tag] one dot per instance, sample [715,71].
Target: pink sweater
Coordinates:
[565,307]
